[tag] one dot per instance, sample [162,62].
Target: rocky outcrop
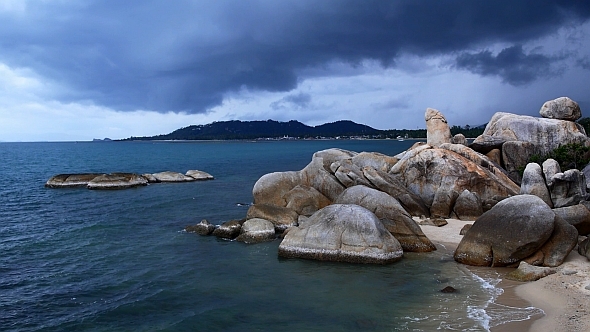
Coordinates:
[437,128]
[199,175]
[568,188]
[533,183]
[511,231]
[117,181]
[229,229]
[515,155]
[550,168]
[256,230]
[563,239]
[305,200]
[71,180]
[438,176]
[342,232]
[561,108]
[393,216]
[202,228]
[169,176]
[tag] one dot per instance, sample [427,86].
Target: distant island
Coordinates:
[276,130]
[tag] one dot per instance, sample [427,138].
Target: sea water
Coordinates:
[83,260]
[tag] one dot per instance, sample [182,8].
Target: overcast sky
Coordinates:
[78,70]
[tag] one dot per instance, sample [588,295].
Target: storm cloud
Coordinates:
[187,56]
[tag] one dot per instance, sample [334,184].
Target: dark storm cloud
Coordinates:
[300,100]
[185,55]
[512,64]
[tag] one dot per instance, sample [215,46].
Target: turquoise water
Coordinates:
[76,259]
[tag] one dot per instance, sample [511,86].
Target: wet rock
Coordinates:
[342,232]
[229,229]
[527,272]
[448,289]
[202,228]
[256,230]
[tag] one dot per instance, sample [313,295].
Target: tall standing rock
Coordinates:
[533,183]
[437,128]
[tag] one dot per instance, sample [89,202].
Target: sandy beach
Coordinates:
[562,296]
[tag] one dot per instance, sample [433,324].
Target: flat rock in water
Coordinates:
[117,181]
[256,230]
[199,175]
[169,176]
[71,180]
[343,233]
[202,228]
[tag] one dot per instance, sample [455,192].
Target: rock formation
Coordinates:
[561,108]
[256,230]
[343,233]
[437,128]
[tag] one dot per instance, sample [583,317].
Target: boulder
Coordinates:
[464,229]
[150,178]
[487,143]
[545,134]
[348,173]
[516,155]
[169,176]
[576,215]
[533,183]
[281,217]
[71,180]
[584,248]
[393,216]
[550,168]
[305,200]
[568,188]
[468,206]
[495,155]
[563,239]
[586,171]
[437,128]
[526,272]
[385,182]
[202,228]
[117,181]
[317,174]
[511,231]
[444,174]
[561,108]
[199,175]
[459,139]
[256,230]
[229,229]
[375,160]
[271,188]
[344,233]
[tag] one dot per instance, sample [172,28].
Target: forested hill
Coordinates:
[227,130]
[270,129]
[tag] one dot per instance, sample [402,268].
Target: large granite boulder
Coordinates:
[439,176]
[385,182]
[71,180]
[169,176]
[437,128]
[511,231]
[281,217]
[468,206]
[117,181]
[374,160]
[397,221]
[576,215]
[271,188]
[342,232]
[545,134]
[561,108]
[317,173]
[256,230]
[563,239]
[305,200]
[533,183]
[550,168]
[527,272]
[348,173]
[516,155]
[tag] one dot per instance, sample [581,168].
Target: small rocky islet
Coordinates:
[362,207]
[122,180]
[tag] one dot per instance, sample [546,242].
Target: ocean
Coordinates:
[83,260]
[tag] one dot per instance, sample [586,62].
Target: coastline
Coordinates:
[562,296]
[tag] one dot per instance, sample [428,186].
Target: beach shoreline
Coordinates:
[562,297]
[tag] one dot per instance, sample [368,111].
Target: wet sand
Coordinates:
[562,296]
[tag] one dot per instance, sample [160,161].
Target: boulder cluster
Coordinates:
[122,180]
[360,207]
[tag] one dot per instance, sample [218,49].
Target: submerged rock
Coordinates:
[199,175]
[71,180]
[169,176]
[229,229]
[117,181]
[344,233]
[202,228]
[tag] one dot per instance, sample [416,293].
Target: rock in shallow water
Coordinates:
[202,228]
[344,233]
[256,230]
